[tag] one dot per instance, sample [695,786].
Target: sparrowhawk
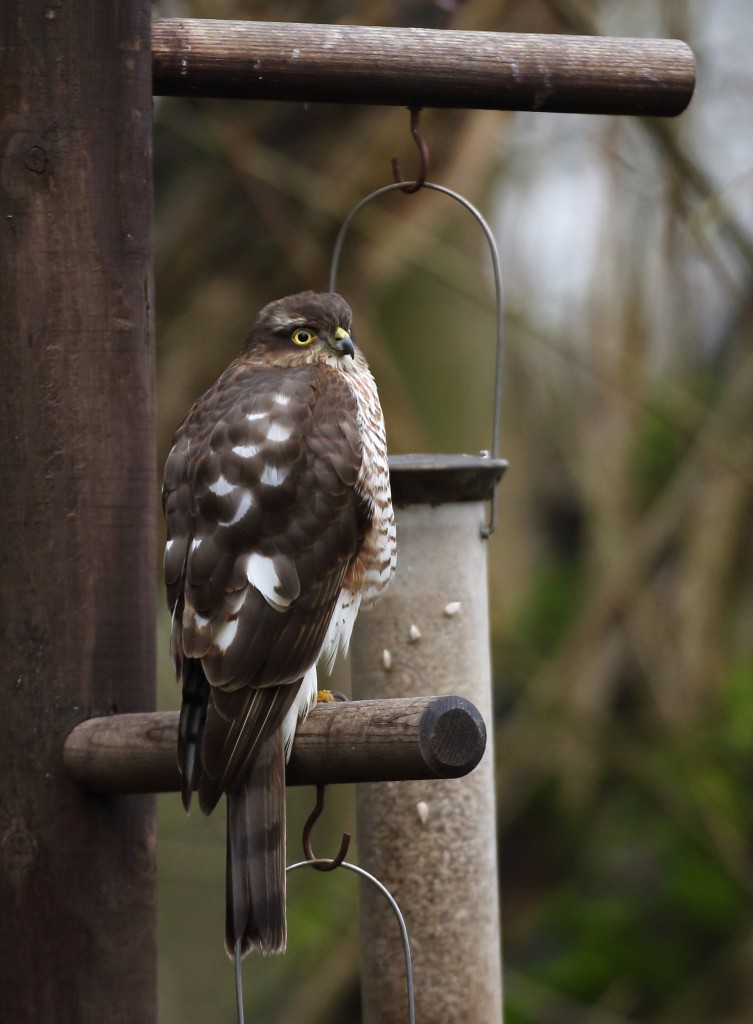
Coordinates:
[279,527]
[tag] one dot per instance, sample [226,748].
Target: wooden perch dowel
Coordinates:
[358,741]
[421,67]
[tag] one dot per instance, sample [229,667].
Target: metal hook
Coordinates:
[423,150]
[313,860]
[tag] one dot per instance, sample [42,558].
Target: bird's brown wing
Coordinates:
[263,520]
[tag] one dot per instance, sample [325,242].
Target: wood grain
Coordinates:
[77,875]
[421,67]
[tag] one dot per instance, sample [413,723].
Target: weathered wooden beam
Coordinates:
[358,741]
[78,470]
[421,67]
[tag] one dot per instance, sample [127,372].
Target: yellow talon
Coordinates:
[325,697]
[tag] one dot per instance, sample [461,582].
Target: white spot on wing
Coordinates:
[282,399]
[253,416]
[261,573]
[226,635]
[386,660]
[274,475]
[246,451]
[452,609]
[200,621]
[278,433]
[243,506]
[195,543]
[168,545]
[221,486]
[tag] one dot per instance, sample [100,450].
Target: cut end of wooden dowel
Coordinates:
[452,736]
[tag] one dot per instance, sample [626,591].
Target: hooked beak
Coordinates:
[342,343]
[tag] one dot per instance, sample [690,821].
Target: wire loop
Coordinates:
[488,529]
[398,916]
[400,920]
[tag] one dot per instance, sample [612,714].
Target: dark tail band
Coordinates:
[255,907]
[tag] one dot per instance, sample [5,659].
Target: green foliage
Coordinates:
[639,907]
[552,601]
[637,891]
[736,714]
[657,447]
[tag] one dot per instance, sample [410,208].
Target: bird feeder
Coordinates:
[433,846]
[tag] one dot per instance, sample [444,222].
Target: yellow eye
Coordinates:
[303,336]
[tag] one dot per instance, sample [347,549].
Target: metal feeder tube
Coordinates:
[433,844]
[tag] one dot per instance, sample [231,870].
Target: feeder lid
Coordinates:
[440,479]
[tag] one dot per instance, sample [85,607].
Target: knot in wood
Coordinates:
[35,159]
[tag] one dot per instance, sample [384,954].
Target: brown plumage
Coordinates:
[279,526]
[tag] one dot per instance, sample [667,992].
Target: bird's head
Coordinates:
[305,328]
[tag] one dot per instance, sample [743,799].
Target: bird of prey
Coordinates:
[279,527]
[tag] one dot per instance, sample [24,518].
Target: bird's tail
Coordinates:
[193,716]
[255,907]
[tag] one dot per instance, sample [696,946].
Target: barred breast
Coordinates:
[379,554]
[372,569]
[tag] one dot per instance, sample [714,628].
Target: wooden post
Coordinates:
[432,844]
[77,877]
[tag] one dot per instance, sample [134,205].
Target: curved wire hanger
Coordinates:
[488,529]
[325,865]
[398,917]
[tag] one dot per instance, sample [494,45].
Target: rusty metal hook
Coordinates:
[317,862]
[423,150]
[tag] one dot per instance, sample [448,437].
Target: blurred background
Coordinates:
[621,575]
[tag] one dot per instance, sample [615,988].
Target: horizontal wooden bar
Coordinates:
[357,741]
[421,67]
